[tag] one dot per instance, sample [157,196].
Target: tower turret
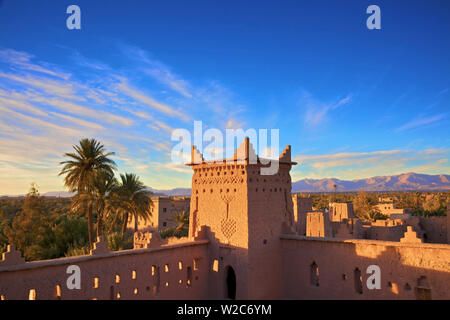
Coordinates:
[245,211]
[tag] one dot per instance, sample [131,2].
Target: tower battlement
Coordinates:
[245,209]
[225,180]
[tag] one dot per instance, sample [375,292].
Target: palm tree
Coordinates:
[131,198]
[373,215]
[89,158]
[182,221]
[103,186]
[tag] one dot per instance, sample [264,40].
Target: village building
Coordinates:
[389,209]
[163,210]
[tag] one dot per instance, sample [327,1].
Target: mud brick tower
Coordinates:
[246,211]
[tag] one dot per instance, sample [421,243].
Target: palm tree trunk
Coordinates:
[124,225]
[90,225]
[99,224]
[113,222]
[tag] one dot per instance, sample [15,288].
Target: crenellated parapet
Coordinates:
[100,247]
[11,257]
[286,155]
[145,240]
[196,156]
[411,236]
[175,270]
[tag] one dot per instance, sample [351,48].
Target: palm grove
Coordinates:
[102,206]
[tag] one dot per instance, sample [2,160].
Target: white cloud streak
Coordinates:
[421,121]
[317,112]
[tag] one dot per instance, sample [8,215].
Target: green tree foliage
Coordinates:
[31,229]
[71,232]
[88,160]
[433,205]
[167,233]
[103,186]
[116,241]
[130,198]
[41,233]
[44,228]
[321,201]
[75,250]
[363,204]
[181,219]
[423,204]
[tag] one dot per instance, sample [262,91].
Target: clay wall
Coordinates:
[162,213]
[408,270]
[160,272]
[340,211]
[301,207]
[435,229]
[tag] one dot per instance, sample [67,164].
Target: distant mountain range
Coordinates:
[402,182]
[172,192]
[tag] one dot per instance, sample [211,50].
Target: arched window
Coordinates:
[32,294]
[188,277]
[230,282]
[358,281]
[156,280]
[58,292]
[314,275]
[423,291]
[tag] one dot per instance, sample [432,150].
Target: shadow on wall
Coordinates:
[178,271]
[314,268]
[324,269]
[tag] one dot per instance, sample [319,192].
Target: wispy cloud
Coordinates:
[44,110]
[420,121]
[162,74]
[80,122]
[355,165]
[89,63]
[158,70]
[22,60]
[46,85]
[317,112]
[234,124]
[144,98]
[443,91]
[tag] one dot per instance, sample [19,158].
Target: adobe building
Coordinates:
[301,206]
[389,209]
[341,211]
[385,199]
[245,211]
[243,244]
[318,224]
[163,210]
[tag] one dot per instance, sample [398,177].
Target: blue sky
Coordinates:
[352,102]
